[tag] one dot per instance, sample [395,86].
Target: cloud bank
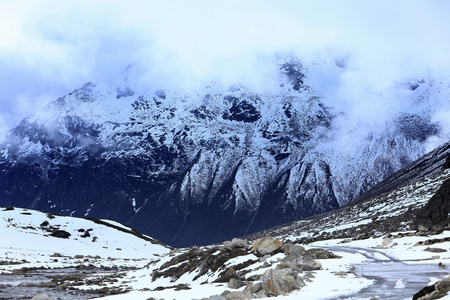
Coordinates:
[49,48]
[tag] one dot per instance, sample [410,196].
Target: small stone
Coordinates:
[386,241]
[435,250]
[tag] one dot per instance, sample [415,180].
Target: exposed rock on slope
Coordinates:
[435,291]
[263,270]
[435,214]
[430,163]
[393,211]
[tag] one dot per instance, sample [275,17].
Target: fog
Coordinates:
[49,48]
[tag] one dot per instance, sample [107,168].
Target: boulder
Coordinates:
[255,288]
[61,234]
[266,245]
[215,297]
[435,250]
[318,253]
[254,277]
[386,242]
[435,291]
[443,285]
[240,242]
[235,283]
[277,286]
[238,295]
[235,243]
[281,281]
[314,265]
[42,296]
[293,252]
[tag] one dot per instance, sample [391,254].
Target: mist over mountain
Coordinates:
[216,160]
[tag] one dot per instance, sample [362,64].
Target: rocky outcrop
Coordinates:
[435,214]
[274,277]
[431,163]
[435,291]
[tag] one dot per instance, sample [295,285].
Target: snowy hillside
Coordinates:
[32,241]
[214,162]
[361,251]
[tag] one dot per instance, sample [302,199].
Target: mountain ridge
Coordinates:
[173,164]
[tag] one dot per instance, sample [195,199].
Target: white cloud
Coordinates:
[48,48]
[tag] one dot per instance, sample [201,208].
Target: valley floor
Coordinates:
[376,268]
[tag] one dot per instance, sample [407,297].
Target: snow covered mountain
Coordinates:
[215,162]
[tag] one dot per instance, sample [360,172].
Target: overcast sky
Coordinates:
[49,48]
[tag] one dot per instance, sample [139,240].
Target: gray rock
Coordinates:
[436,291]
[434,215]
[435,250]
[42,296]
[240,242]
[235,243]
[235,283]
[282,280]
[254,277]
[296,250]
[315,265]
[255,288]
[277,286]
[238,295]
[443,285]
[216,297]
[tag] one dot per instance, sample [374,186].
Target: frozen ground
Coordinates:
[366,270]
[33,259]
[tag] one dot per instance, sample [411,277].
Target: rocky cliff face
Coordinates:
[204,166]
